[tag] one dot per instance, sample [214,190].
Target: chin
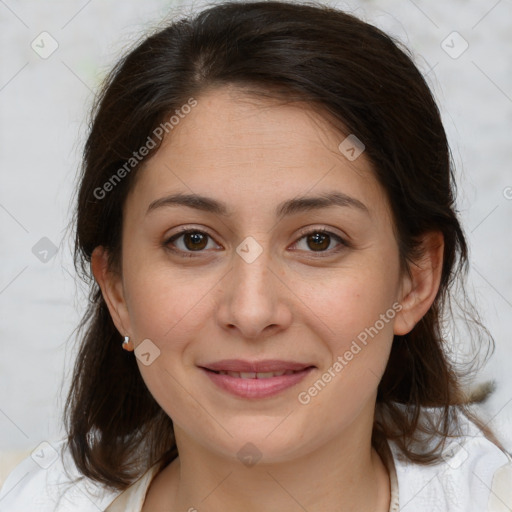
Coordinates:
[266,440]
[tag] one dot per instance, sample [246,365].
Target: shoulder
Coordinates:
[474,475]
[47,480]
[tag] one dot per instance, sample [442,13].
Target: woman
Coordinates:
[267,209]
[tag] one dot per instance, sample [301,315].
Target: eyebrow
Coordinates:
[286,208]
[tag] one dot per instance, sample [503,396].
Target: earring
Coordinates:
[127,344]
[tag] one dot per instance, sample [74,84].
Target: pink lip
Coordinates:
[256,388]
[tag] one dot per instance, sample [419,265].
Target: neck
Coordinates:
[345,474]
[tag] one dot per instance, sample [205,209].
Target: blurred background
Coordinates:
[52,59]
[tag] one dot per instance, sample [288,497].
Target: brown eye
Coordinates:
[318,241]
[321,241]
[188,240]
[195,240]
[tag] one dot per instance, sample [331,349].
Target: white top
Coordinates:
[474,476]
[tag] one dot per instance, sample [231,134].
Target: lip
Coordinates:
[253,387]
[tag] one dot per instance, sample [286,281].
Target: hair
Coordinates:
[357,77]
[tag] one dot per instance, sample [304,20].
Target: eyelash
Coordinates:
[190,254]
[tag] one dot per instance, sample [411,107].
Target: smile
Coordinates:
[273,378]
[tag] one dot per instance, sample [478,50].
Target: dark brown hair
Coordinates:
[358,77]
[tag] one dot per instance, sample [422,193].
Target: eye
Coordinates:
[319,240]
[192,240]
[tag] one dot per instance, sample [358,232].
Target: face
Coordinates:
[308,289]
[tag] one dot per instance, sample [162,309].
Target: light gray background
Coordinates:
[43,105]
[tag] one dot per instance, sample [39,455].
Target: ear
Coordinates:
[420,287]
[111,285]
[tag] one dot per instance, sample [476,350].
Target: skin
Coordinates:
[293,302]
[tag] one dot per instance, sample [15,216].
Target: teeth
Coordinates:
[253,375]
[267,375]
[245,375]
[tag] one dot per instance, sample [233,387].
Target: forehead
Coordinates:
[232,121]
[250,150]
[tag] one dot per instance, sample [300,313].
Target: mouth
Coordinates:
[265,366]
[263,379]
[254,375]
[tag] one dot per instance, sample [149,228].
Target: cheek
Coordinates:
[168,308]
[354,312]
[165,303]
[356,328]
[349,301]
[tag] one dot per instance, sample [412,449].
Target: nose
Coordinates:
[255,301]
